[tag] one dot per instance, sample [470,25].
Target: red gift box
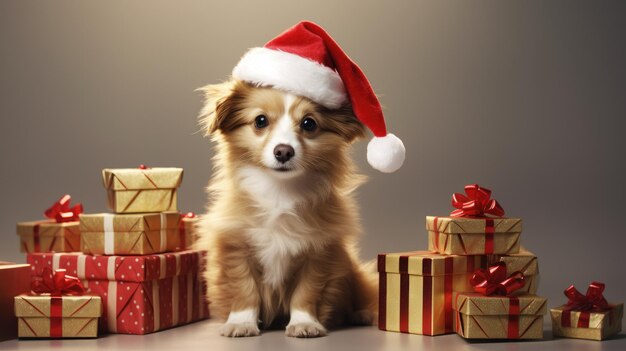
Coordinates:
[15,280]
[140,294]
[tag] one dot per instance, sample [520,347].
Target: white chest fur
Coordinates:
[278,236]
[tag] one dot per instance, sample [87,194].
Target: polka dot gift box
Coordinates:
[140,294]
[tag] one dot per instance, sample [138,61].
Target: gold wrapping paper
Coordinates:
[142,190]
[466,236]
[130,234]
[421,270]
[525,262]
[15,280]
[602,325]
[415,263]
[79,316]
[190,232]
[488,317]
[52,237]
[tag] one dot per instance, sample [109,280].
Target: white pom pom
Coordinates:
[386,154]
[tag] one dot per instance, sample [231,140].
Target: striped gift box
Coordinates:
[130,233]
[140,294]
[416,290]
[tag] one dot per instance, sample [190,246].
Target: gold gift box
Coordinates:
[525,262]
[138,190]
[129,234]
[490,317]
[467,236]
[79,316]
[49,236]
[189,233]
[416,290]
[602,325]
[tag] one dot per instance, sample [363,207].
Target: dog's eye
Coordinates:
[308,124]
[261,121]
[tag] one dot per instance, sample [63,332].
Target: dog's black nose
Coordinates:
[283,152]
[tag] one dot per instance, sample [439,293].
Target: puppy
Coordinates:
[282,222]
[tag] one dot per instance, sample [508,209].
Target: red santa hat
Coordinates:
[306,61]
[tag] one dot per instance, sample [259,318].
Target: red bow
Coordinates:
[477,203]
[189,215]
[57,284]
[593,301]
[62,212]
[142,166]
[493,281]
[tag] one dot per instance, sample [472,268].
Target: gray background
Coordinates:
[525,97]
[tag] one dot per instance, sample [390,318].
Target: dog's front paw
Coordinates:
[306,330]
[236,330]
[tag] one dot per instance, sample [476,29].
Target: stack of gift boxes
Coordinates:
[134,273]
[135,261]
[476,280]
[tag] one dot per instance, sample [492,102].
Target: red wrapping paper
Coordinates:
[146,307]
[120,268]
[141,294]
[19,277]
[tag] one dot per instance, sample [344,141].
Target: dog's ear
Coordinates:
[345,123]
[214,113]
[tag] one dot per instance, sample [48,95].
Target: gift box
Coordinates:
[142,189]
[16,280]
[416,290]
[498,317]
[587,316]
[140,294]
[77,316]
[473,236]
[524,261]
[49,236]
[188,230]
[130,234]
[59,233]
[587,325]
[476,227]
[57,308]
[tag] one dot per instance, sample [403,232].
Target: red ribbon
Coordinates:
[593,301]
[189,215]
[493,280]
[477,203]
[62,212]
[57,285]
[142,166]
[36,238]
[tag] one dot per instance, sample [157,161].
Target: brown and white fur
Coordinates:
[281,236]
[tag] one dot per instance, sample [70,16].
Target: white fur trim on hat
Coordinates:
[386,154]
[292,73]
